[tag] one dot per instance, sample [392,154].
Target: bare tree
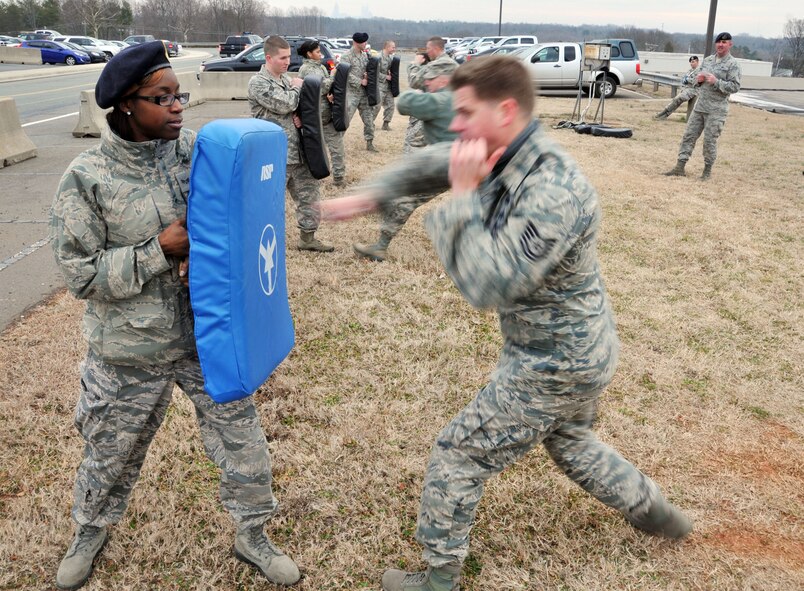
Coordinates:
[794,36]
[90,16]
[183,17]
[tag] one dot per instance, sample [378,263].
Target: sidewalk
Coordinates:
[28,273]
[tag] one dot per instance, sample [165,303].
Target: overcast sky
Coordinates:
[755,17]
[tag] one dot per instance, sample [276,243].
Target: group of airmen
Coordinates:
[518,234]
[274,96]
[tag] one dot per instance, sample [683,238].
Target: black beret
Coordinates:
[360,37]
[127,68]
[694,57]
[723,37]
[308,46]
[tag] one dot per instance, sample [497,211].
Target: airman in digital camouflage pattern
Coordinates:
[310,50]
[718,78]
[274,96]
[386,103]
[357,100]
[433,109]
[119,238]
[688,90]
[519,234]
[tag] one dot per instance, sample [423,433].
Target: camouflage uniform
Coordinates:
[110,207]
[525,244]
[275,100]
[386,98]
[711,107]
[332,137]
[688,92]
[416,72]
[434,112]
[357,100]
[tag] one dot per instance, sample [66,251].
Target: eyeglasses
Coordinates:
[165,100]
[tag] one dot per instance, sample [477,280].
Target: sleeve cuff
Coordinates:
[151,259]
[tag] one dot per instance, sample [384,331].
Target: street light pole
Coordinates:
[710,27]
[499,22]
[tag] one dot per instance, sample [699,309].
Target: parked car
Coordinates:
[504,50]
[95,55]
[560,65]
[517,40]
[55,52]
[336,52]
[172,47]
[49,32]
[7,41]
[253,58]
[235,44]
[27,36]
[341,42]
[120,44]
[137,39]
[90,43]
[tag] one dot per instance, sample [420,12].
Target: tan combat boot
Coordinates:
[386,126]
[443,578]
[76,566]
[308,241]
[374,252]
[370,146]
[253,547]
[678,170]
[707,172]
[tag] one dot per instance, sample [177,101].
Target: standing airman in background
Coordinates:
[719,77]
[274,96]
[433,110]
[386,103]
[688,92]
[357,58]
[310,50]
[437,57]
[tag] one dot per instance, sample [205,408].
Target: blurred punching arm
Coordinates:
[424,171]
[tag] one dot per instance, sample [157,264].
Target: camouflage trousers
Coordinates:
[358,101]
[120,409]
[711,125]
[395,214]
[386,104]
[687,94]
[505,421]
[414,136]
[337,153]
[304,190]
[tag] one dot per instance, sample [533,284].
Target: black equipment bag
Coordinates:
[312,132]
[373,86]
[340,120]
[394,81]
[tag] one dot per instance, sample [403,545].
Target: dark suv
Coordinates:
[253,58]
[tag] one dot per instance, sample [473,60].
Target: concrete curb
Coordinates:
[15,146]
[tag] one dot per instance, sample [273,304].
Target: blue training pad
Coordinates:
[238,285]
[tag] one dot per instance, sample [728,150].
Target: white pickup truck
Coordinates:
[559,65]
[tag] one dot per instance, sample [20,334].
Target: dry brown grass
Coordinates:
[707,284]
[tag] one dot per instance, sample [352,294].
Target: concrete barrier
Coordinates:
[225,86]
[20,55]
[91,118]
[189,83]
[15,145]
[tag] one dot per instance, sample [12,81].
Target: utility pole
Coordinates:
[499,22]
[710,27]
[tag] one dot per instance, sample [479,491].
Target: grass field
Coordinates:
[707,281]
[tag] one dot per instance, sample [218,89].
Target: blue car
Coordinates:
[55,52]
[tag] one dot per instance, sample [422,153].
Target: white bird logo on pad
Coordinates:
[268,262]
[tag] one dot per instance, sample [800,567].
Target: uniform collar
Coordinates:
[135,154]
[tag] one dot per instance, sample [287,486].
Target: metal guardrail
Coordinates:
[674,82]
